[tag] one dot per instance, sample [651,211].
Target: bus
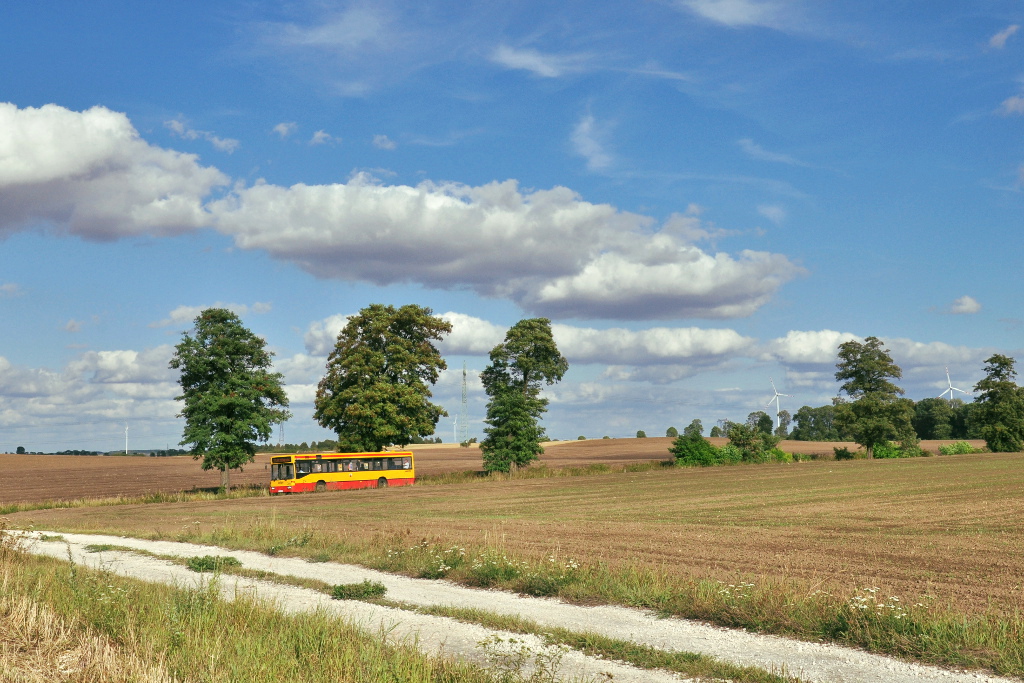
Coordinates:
[333,471]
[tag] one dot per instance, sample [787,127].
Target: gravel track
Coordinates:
[809,661]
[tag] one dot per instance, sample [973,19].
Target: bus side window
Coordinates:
[406,463]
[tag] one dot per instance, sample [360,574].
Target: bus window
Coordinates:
[377,465]
[288,474]
[303,467]
[406,463]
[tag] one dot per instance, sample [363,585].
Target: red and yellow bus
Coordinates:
[331,471]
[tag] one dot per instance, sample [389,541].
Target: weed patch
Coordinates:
[365,590]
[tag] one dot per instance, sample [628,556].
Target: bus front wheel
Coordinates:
[382,483]
[321,487]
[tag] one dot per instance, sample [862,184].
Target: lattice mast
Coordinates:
[464,409]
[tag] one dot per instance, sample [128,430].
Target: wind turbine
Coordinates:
[951,388]
[775,400]
[126,438]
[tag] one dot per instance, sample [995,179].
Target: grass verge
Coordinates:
[92,625]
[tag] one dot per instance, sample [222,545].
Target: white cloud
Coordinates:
[998,41]
[357,28]
[285,128]
[9,289]
[760,153]
[588,142]
[73,326]
[178,127]
[655,346]
[89,173]
[803,348]
[187,314]
[1012,105]
[383,142]
[322,334]
[776,214]
[736,13]
[965,305]
[471,336]
[323,137]
[548,250]
[537,63]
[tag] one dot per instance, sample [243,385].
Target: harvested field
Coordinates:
[946,527]
[36,478]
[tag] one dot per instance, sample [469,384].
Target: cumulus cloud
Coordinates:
[383,142]
[965,305]
[89,173]
[187,314]
[998,41]
[178,127]
[322,334]
[538,63]
[548,250]
[655,346]
[285,128]
[588,142]
[471,336]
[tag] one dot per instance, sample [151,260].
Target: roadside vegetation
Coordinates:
[95,626]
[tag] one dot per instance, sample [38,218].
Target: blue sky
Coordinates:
[701,195]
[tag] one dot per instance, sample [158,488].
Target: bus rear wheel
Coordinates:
[321,487]
[382,483]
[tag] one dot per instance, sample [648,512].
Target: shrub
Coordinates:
[641,434]
[843,453]
[694,451]
[367,590]
[730,454]
[779,455]
[958,448]
[581,438]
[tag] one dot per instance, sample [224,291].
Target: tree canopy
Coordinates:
[876,415]
[376,389]
[527,359]
[999,412]
[231,398]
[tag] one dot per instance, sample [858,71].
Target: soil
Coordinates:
[809,661]
[37,478]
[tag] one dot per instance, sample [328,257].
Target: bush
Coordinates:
[641,434]
[730,454]
[672,432]
[779,455]
[581,438]
[843,453]
[959,448]
[693,451]
[367,590]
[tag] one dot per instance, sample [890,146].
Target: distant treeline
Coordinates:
[149,453]
[327,446]
[934,418]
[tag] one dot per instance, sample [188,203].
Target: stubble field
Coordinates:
[36,478]
[945,527]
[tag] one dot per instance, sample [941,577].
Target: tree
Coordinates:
[782,431]
[1000,406]
[376,391]
[641,434]
[694,428]
[520,365]
[20,451]
[672,432]
[231,398]
[753,442]
[816,424]
[716,431]
[933,418]
[760,421]
[876,415]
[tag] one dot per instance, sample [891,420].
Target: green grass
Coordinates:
[186,631]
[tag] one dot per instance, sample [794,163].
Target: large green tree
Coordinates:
[232,399]
[376,391]
[999,411]
[876,414]
[520,366]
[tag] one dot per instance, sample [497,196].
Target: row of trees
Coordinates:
[874,411]
[375,392]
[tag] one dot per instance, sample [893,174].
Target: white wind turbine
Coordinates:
[775,400]
[951,388]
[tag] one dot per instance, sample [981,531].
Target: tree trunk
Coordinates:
[870,450]
[225,479]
